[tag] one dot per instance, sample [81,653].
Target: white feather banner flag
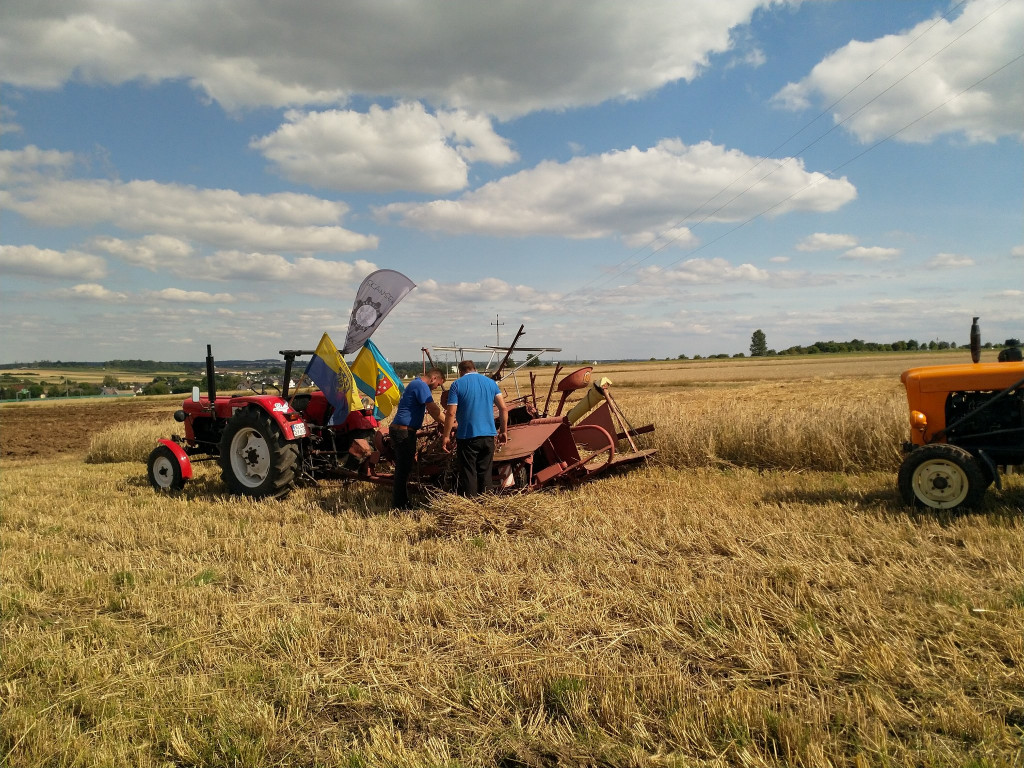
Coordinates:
[378,295]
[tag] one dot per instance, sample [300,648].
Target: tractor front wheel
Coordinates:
[164,471]
[255,459]
[942,476]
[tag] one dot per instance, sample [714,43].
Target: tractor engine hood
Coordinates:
[975,377]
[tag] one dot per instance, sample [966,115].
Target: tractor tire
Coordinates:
[255,459]
[521,475]
[164,471]
[942,476]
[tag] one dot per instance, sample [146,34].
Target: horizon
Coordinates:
[943,345]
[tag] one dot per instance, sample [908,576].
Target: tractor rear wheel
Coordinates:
[164,471]
[255,459]
[942,476]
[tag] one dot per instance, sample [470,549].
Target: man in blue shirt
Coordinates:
[416,399]
[472,399]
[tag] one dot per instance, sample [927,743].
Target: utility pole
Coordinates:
[497,331]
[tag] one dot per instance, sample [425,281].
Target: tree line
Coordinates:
[16,387]
[855,345]
[759,346]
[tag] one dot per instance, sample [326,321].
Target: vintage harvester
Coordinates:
[545,446]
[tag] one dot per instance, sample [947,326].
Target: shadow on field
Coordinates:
[134,481]
[1007,504]
[880,500]
[362,500]
[202,486]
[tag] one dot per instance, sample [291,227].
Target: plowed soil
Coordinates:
[54,428]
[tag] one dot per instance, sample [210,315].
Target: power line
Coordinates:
[842,165]
[631,262]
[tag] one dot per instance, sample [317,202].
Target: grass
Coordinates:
[739,602]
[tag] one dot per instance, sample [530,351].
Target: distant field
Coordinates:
[786,367]
[676,374]
[86,375]
[756,596]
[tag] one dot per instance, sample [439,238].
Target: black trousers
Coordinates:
[403,443]
[475,455]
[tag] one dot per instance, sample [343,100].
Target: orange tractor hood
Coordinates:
[976,377]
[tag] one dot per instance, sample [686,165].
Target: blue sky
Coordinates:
[641,179]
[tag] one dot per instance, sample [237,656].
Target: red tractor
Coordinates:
[265,444]
[966,421]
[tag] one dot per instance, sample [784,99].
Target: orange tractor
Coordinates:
[966,422]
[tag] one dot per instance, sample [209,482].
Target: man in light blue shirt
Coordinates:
[472,399]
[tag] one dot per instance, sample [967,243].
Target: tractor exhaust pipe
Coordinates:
[975,341]
[211,381]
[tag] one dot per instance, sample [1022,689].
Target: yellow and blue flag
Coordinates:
[376,379]
[327,369]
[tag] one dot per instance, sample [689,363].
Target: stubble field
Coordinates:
[757,595]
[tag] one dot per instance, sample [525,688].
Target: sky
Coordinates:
[627,180]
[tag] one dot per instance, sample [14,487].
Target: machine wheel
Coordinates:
[521,474]
[942,477]
[164,471]
[255,459]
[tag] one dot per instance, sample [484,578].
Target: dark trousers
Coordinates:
[403,443]
[476,455]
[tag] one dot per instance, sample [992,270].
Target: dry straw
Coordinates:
[128,442]
[706,610]
[828,433]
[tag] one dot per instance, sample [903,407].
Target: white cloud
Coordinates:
[7,120]
[402,148]
[305,274]
[475,139]
[154,252]
[460,53]
[820,241]
[872,253]
[99,293]
[949,57]
[489,289]
[177,295]
[92,292]
[753,58]
[708,271]
[43,262]
[30,165]
[679,237]
[629,193]
[220,217]
[481,290]
[779,259]
[158,253]
[950,260]
[1018,250]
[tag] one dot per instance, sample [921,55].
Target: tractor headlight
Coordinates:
[918,421]
[298,430]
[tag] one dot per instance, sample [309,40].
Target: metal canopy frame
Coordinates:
[500,354]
